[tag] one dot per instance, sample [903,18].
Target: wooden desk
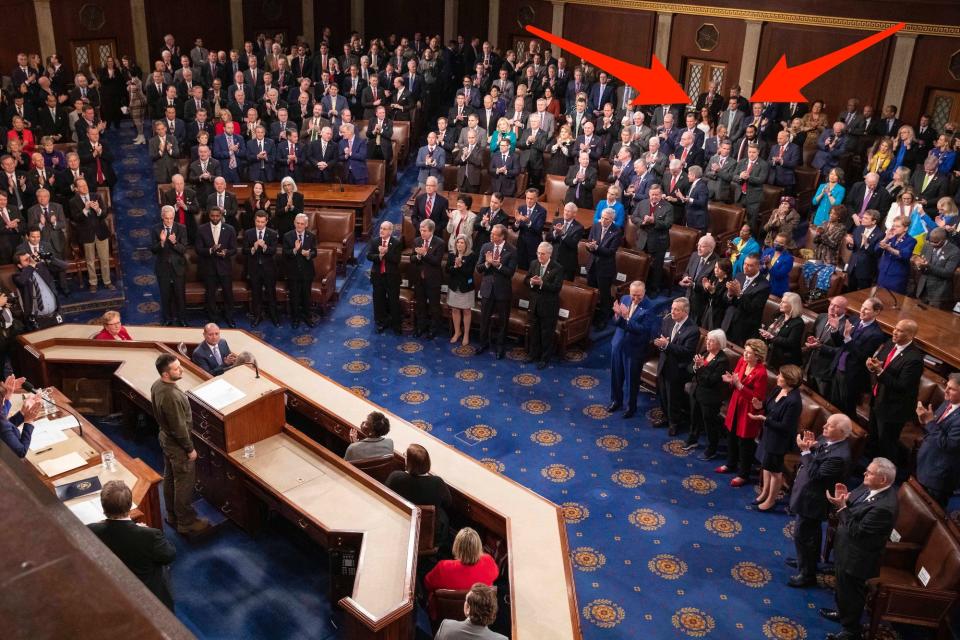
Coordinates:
[939,331]
[358,197]
[143,481]
[543,599]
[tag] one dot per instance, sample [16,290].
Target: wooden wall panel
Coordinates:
[117,24]
[593,26]
[929,11]
[473,19]
[862,76]
[187,20]
[334,14]
[272,17]
[402,17]
[509,27]
[683,46]
[929,71]
[17,35]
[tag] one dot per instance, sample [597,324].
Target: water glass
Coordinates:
[249,451]
[108,460]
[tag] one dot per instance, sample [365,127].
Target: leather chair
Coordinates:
[725,221]
[323,289]
[554,189]
[379,467]
[194,289]
[238,281]
[401,135]
[898,595]
[280,290]
[631,265]
[161,189]
[377,171]
[806,186]
[426,543]
[629,233]
[335,230]
[449,176]
[599,192]
[449,605]
[683,242]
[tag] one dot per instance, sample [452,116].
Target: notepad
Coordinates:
[219,393]
[43,439]
[60,424]
[69,462]
[89,510]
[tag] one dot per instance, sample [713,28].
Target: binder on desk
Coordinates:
[78,488]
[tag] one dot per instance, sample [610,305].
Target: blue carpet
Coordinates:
[661,546]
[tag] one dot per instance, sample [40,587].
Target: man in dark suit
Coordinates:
[144,550]
[290,157]
[488,217]
[675,185]
[96,159]
[155,90]
[380,137]
[867,194]
[299,250]
[860,341]
[746,296]
[169,245]
[504,167]
[653,217]
[677,342]
[699,267]
[352,154]
[202,172]
[938,460]
[929,186]
[321,157]
[53,121]
[602,244]
[926,134]
[216,244]
[696,200]
[426,264]
[600,94]
[628,347]
[469,160]
[784,158]
[565,237]
[823,463]
[581,179]
[937,264]
[898,367]
[529,221]
[532,142]
[183,199]
[260,248]
[889,123]
[748,178]
[260,154]
[865,254]
[830,146]
[590,143]
[734,120]
[213,355]
[496,265]
[866,518]
[430,205]
[544,280]
[89,215]
[823,343]
[383,252]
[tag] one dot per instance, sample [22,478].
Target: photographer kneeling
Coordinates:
[41,307]
[42,251]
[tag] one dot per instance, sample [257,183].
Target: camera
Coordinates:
[45,255]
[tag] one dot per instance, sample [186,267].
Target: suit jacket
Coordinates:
[496,282]
[899,383]
[89,163]
[34,212]
[820,365]
[697,269]
[50,125]
[595,147]
[784,174]
[384,148]
[581,193]
[90,225]
[504,183]
[206,258]
[893,270]
[710,388]
[755,181]
[677,356]
[390,260]
[144,550]
[544,298]
[654,236]
[600,95]
[696,209]
[864,530]
[203,186]
[464,629]
[299,267]
[439,156]
[936,189]
[488,122]
[743,316]
[191,207]
[315,153]
[469,168]
[170,260]
[164,164]
[260,259]
[862,344]
[204,358]
[786,345]
[879,199]
[864,259]
[566,247]
[261,169]
[819,471]
[936,279]
[718,180]
[780,427]
[736,126]
[938,460]
[531,154]
[355,166]
[428,269]
[631,336]
[283,153]
[825,158]
[602,261]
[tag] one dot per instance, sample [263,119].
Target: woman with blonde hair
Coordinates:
[905,206]
[470,565]
[880,160]
[503,131]
[561,152]
[749,382]
[906,149]
[113,329]
[780,415]
[460,286]
[784,334]
[612,202]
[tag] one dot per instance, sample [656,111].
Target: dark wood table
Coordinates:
[939,331]
[358,197]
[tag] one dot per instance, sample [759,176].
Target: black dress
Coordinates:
[558,164]
[425,490]
[113,90]
[787,343]
[717,304]
[779,428]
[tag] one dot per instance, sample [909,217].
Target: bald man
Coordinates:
[896,369]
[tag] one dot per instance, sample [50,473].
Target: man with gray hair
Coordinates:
[937,263]
[929,186]
[677,342]
[544,280]
[866,518]
[866,195]
[383,252]
[427,278]
[169,246]
[299,250]
[699,268]
[824,462]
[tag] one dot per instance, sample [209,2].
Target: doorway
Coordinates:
[91,55]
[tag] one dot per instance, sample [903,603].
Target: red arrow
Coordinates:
[653,86]
[783,83]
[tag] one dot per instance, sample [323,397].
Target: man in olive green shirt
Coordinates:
[172,412]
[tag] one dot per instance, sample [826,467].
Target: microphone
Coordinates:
[29,388]
[245,357]
[877,288]
[339,182]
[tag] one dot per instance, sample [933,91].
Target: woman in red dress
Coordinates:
[113,329]
[469,566]
[749,381]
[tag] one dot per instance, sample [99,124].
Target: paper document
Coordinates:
[55,467]
[60,424]
[43,439]
[219,393]
[89,510]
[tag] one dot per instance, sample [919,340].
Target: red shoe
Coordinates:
[738,482]
[722,469]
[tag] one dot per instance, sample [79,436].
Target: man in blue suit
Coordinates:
[353,155]
[213,354]
[830,146]
[859,341]
[697,200]
[938,460]
[862,268]
[529,221]
[601,93]
[230,149]
[260,156]
[784,159]
[628,349]
[333,105]
[17,440]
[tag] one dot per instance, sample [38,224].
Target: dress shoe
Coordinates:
[295,324]
[381,328]
[112,287]
[830,614]
[310,322]
[709,455]
[791,562]
[501,354]
[256,321]
[801,582]
[182,323]
[613,406]
[417,333]
[481,349]
[168,323]
[92,289]
[429,335]
[739,482]
[197,526]
[542,365]
[723,469]
[629,413]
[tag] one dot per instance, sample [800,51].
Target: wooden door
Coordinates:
[92,54]
[943,107]
[697,73]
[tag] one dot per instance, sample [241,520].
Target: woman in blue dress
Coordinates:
[897,246]
[828,194]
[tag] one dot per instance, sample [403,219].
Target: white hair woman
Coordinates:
[784,335]
[709,392]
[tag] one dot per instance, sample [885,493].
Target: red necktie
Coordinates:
[893,352]
[429,206]
[743,187]
[673,183]
[181,212]
[944,415]
[383,264]
[100,177]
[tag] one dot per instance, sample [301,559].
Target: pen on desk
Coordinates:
[45,450]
